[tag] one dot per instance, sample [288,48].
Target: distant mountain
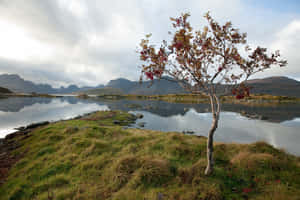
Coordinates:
[17,84]
[123,84]
[5,90]
[276,85]
[279,86]
[103,91]
[135,87]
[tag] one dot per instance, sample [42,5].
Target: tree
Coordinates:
[215,61]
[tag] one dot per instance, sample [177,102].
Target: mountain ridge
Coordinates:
[17,84]
[275,85]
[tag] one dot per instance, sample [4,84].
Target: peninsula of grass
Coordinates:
[92,158]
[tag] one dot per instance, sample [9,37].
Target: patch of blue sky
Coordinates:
[286,6]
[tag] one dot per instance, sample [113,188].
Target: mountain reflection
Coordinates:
[275,113]
[164,116]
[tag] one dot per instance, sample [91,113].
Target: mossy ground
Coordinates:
[91,158]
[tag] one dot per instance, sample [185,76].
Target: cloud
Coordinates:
[37,72]
[47,21]
[287,41]
[92,42]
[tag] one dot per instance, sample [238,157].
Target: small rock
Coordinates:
[141,124]
[35,125]
[188,132]
[116,122]
[22,128]
[133,117]
[78,117]
[263,117]
[139,115]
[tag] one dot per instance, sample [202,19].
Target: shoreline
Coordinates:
[195,98]
[254,99]
[41,123]
[67,156]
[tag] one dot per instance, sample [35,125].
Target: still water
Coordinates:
[281,127]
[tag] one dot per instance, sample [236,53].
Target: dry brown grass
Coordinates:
[252,161]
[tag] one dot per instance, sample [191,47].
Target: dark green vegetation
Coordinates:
[5,90]
[91,158]
[259,99]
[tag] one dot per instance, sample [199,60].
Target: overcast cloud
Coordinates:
[62,42]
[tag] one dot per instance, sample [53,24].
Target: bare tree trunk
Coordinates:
[210,147]
[215,106]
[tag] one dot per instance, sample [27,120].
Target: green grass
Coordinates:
[253,99]
[92,158]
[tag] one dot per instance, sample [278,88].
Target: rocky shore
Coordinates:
[7,146]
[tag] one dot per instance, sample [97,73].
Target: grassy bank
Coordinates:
[260,99]
[92,158]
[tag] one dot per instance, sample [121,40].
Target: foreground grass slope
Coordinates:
[91,158]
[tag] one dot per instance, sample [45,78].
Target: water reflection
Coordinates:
[31,110]
[274,113]
[232,128]
[159,115]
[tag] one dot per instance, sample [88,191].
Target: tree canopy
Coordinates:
[217,54]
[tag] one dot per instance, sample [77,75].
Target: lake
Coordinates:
[281,127]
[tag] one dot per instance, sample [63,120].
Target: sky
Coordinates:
[63,42]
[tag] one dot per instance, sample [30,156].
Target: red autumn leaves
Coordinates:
[247,190]
[178,45]
[143,55]
[150,75]
[158,59]
[241,92]
[205,57]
